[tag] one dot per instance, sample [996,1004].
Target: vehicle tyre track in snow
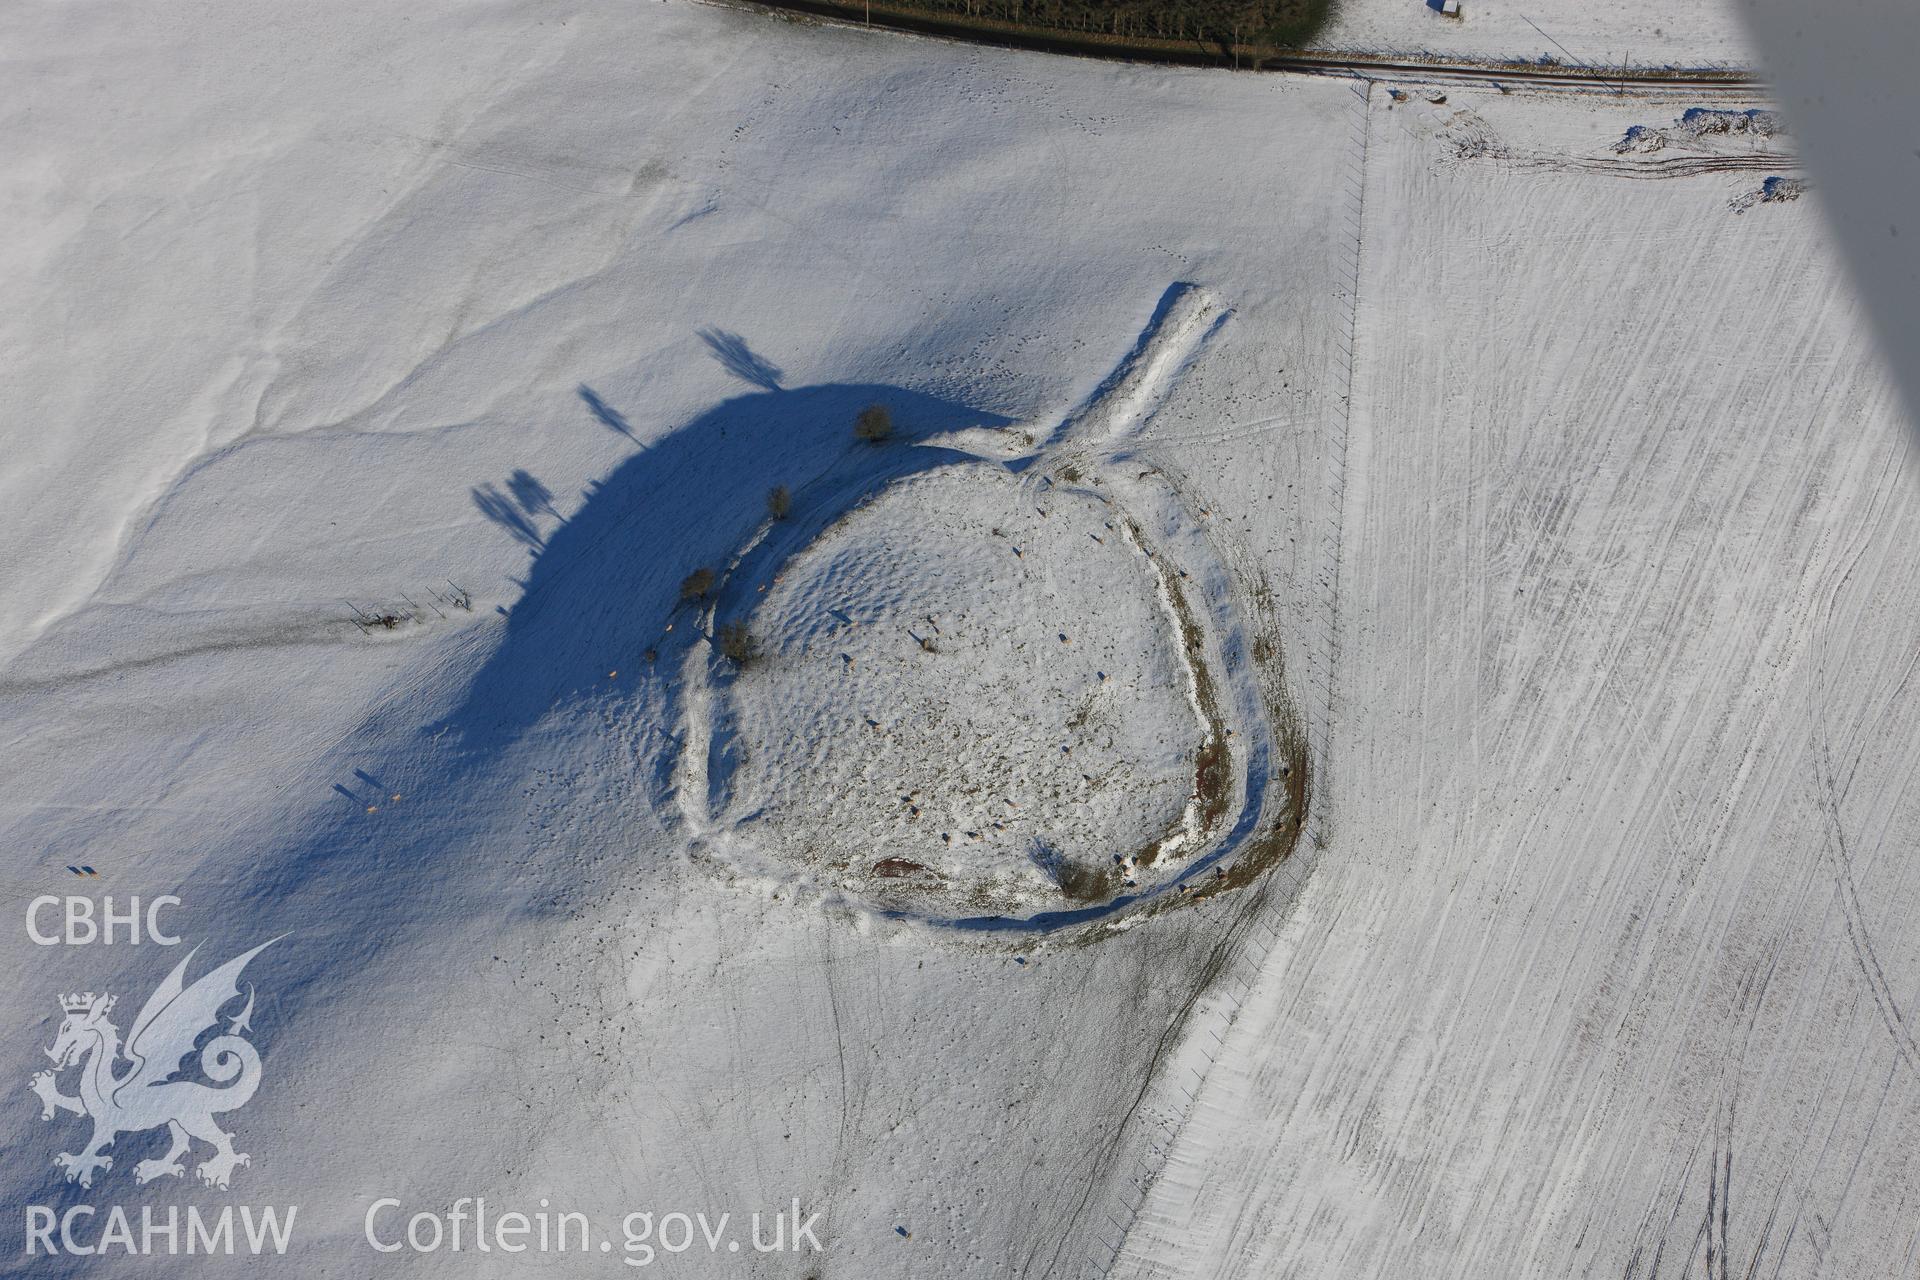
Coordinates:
[1666,167]
[1254,907]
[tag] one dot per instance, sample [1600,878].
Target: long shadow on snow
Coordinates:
[599,597]
[600,593]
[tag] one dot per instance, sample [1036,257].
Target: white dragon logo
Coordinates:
[145,1096]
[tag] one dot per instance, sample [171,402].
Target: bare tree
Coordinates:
[737,642]
[696,584]
[874,424]
[779,502]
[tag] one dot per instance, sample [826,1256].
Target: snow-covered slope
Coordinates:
[382,375]
[587,291]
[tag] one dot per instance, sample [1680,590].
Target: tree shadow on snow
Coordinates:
[741,360]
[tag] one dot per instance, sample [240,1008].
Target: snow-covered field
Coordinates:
[1616,972]
[377,379]
[1624,33]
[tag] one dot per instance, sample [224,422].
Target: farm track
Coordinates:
[1669,167]
[1619,80]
